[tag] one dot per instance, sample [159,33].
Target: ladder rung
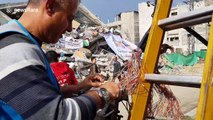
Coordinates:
[184,80]
[191,18]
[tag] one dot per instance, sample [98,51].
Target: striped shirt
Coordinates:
[24,84]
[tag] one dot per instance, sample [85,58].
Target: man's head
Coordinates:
[115,58]
[51,20]
[93,59]
[52,56]
[125,62]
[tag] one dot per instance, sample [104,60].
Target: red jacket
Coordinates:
[64,74]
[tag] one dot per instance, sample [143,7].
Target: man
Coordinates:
[66,77]
[94,67]
[117,67]
[64,74]
[26,80]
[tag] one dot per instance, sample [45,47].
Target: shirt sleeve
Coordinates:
[26,87]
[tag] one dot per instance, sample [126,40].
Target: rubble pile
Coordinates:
[79,46]
[167,66]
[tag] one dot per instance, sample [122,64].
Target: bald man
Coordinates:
[27,83]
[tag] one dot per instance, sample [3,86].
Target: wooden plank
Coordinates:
[205,104]
[142,92]
[178,80]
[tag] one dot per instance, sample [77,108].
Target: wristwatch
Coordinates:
[104,95]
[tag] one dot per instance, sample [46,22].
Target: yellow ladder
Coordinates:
[161,24]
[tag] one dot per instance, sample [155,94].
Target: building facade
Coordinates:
[128,24]
[145,18]
[180,39]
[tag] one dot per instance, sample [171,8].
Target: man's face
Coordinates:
[62,20]
[115,58]
[94,60]
[126,63]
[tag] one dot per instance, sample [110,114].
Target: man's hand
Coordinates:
[113,89]
[95,80]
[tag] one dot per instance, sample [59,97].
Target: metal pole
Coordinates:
[191,39]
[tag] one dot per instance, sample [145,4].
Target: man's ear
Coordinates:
[49,6]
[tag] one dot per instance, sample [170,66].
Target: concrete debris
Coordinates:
[166,67]
[79,46]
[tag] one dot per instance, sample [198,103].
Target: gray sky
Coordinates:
[106,9]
